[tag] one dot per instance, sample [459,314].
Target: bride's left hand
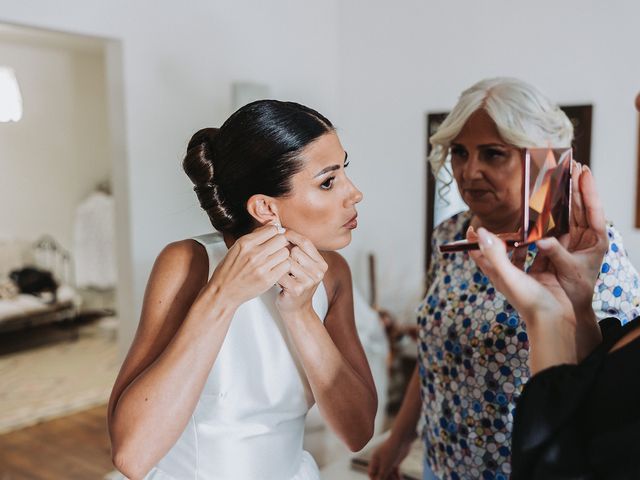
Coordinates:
[307,271]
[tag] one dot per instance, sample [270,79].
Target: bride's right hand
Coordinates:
[253,264]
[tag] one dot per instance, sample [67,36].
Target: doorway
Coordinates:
[63,208]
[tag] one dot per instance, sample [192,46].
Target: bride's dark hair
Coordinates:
[255,151]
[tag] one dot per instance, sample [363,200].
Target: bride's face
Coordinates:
[322,202]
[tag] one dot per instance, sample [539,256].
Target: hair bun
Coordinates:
[209,195]
[204,139]
[198,164]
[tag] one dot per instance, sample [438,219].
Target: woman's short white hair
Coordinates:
[523,115]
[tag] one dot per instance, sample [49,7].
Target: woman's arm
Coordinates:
[331,354]
[538,298]
[577,258]
[177,341]
[388,456]
[405,423]
[334,360]
[183,325]
[555,297]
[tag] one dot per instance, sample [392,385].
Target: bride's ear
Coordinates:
[263,208]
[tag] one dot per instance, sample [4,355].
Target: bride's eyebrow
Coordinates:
[331,168]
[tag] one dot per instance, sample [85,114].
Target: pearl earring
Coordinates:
[279,227]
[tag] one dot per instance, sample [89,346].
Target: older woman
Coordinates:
[473,346]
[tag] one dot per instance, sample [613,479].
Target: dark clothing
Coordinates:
[582,421]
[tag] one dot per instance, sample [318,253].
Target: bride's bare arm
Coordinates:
[183,325]
[334,360]
[168,363]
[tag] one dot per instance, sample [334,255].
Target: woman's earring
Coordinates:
[278,227]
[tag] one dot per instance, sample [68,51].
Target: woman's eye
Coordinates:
[494,154]
[346,164]
[457,151]
[328,183]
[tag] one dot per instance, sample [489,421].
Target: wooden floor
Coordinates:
[69,448]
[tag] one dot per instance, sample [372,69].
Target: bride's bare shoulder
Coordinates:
[181,264]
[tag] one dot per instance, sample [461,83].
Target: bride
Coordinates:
[243,329]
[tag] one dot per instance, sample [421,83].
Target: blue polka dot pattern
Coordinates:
[617,291]
[473,352]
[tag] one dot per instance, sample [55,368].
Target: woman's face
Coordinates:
[322,203]
[487,170]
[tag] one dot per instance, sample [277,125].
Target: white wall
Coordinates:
[374,68]
[399,60]
[58,152]
[179,60]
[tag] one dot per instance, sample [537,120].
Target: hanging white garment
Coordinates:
[94,242]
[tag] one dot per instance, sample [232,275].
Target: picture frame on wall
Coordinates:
[434,120]
[579,115]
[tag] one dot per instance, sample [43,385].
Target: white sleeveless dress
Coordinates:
[249,421]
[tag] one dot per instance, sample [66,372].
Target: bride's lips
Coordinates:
[353,223]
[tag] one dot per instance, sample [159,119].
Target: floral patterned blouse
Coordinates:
[473,351]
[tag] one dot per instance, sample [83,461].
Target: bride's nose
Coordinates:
[355,195]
